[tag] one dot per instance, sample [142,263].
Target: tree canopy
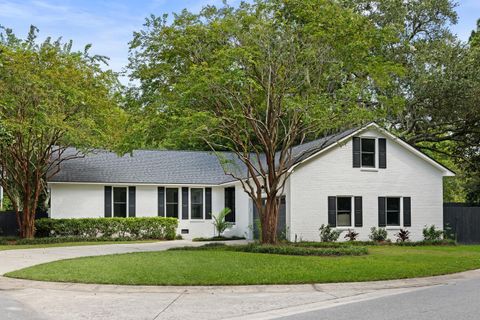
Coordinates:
[51,98]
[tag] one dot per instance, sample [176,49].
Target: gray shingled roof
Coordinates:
[167,167]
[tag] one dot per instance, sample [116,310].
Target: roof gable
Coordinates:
[372,125]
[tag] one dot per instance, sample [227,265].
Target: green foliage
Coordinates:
[132,228]
[300,251]
[200,239]
[53,240]
[196,71]
[51,98]
[219,221]
[327,234]
[432,233]
[378,235]
[444,242]
[207,246]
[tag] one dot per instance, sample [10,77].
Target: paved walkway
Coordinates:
[24,299]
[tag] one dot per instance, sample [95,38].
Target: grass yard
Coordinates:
[221,267]
[67,244]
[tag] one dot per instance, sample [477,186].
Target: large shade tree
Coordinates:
[440,86]
[51,98]
[256,80]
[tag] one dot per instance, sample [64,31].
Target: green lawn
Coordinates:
[217,267]
[67,244]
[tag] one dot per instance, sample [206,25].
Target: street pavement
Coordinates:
[453,301]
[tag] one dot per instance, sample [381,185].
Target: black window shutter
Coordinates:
[407,212]
[356,152]
[358,212]
[332,211]
[131,201]
[381,212]
[161,201]
[108,202]
[382,153]
[230,203]
[208,203]
[185,203]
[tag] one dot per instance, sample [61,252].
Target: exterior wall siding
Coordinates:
[332,174]
[87,201]
[307,191]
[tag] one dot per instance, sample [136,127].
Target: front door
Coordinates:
[281,223]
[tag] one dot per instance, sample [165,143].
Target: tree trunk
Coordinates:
[269,221]
[27,223]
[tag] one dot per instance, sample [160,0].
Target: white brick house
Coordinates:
[356,179]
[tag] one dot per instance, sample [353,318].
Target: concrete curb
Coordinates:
[337,290]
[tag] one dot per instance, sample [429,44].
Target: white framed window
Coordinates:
[120,202]
[393,211]
[344,211]
[368,152]
[171,202]
[196,203]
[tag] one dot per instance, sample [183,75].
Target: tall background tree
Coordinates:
[440,87]
[51,98]
[256,80]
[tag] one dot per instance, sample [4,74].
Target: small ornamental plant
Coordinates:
[219,221]
[378,235]
[432,233]
[351,235]
[403,235]
[327,234]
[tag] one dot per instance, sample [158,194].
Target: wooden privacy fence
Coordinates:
[463,220]
[8,223]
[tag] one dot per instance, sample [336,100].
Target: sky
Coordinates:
[108,24]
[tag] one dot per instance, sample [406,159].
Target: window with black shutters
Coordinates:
[368,152]
[344,211]
[120,202]
[230,203]
[172,202]
[196,199]
[393,212]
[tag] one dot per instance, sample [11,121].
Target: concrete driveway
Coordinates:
[23,299]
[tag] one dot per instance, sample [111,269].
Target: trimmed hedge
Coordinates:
[218,239]
[11,241]
[281,249]
[110,228]
[301,251]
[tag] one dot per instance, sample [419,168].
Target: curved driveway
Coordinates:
[24,299]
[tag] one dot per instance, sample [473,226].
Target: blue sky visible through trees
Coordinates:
[108,25]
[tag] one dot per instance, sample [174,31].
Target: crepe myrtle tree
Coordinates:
[51,98]
[255,80]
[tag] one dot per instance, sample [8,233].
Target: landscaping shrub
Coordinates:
[49,240]
[207,246]
[218,238]
[403,235]
[131,228]
[378,235]
[351,235]
[444,242]
[300,251]
[327,234]
[441,242]
[220,223]
[432,234]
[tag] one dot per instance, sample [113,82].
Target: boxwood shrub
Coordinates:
[125,228]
